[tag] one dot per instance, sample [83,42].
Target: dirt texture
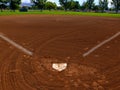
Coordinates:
[59,39]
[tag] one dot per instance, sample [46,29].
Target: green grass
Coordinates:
[60,13]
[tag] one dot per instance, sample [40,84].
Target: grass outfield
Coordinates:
[60,13]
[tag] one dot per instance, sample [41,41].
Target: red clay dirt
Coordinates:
[59,39]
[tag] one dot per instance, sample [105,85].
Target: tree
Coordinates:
[116,4]
[73,5]
[90,4]
[63,3]
[3,4]
[103,4]
[39,3]
[96,8]
[84,6]
[50,5]
[69,4]
[14,4]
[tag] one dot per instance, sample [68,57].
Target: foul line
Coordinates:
[16,45]
[101,44]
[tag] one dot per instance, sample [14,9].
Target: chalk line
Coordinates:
[15,44]
[101,44]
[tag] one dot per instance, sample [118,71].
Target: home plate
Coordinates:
[59,66]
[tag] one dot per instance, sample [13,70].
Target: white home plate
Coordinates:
[59,66]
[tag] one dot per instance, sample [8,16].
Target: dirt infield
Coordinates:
[59,39]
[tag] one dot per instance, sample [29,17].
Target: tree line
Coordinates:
[13,4]
[88,5]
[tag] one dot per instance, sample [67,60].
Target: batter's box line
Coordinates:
[101,44]
[15,44]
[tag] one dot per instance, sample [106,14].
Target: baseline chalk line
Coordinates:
[15,44]
[101,44]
